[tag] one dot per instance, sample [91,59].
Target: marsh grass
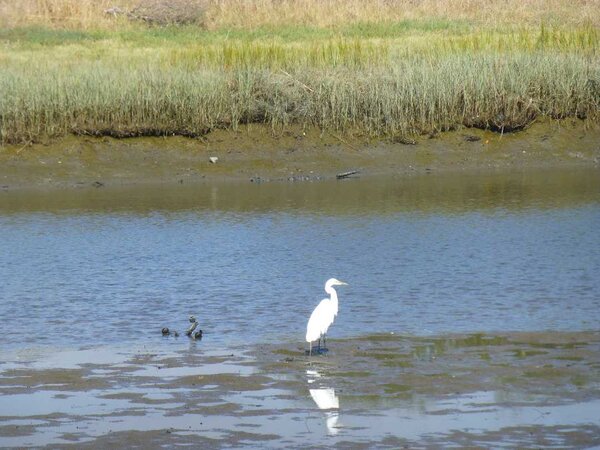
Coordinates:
[504,93]
[380,77]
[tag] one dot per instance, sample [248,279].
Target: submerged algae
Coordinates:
[504,400]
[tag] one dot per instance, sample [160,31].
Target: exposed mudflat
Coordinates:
[258,153]
[385,390]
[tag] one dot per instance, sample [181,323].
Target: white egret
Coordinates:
[323,315]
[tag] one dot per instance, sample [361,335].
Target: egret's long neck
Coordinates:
[333,298]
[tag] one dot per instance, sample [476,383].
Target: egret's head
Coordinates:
[335,282]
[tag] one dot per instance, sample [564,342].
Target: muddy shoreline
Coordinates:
[259,154]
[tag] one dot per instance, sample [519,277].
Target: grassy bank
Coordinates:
[410,74]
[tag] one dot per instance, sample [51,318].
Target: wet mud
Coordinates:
[385,390]
[260,154]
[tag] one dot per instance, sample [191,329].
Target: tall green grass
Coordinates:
[401,84]
[503,93]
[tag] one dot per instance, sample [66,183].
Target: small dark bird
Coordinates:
[197,334]
[165,331]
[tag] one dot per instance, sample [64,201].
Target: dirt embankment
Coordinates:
[258,153]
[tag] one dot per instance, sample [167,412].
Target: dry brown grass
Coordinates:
[328,13]
[71,14]
[89,14]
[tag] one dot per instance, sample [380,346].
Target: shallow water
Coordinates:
[485,390]
[90,276]
[423,255]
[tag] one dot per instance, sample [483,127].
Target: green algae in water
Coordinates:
[569,358]
[403,364]
[353,374]
[381,356]
[546,371]
[478,340]
[520,353]
[393,388]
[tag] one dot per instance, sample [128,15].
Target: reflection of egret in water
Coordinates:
[325,399]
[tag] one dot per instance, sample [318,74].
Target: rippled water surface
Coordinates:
[422,255]
[89,277]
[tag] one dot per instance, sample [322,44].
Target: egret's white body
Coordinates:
[324,314]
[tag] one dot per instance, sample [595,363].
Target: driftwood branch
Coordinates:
[342,175]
